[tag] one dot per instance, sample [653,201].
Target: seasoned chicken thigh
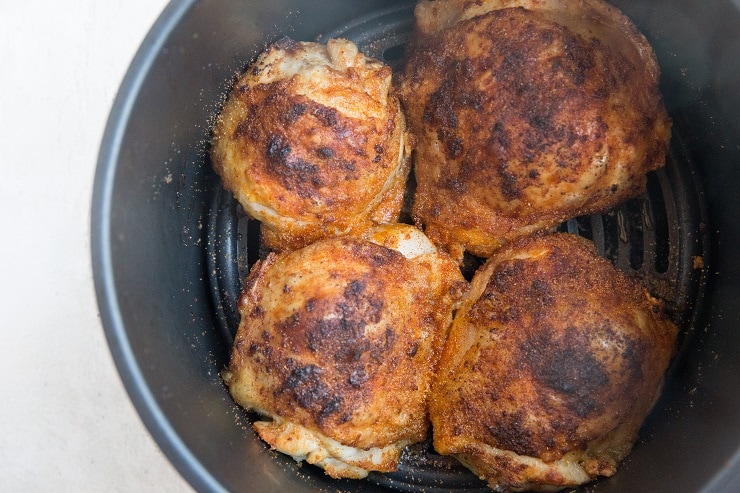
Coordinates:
[553,361]
[313,143]
[338,344]
[527,113]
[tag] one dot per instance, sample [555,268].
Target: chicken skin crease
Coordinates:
[527,113]
[554,360]
[338,344]
[313,144]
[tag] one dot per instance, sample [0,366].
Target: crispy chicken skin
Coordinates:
[553,361]
[312,143]
[527,113]
[338,344]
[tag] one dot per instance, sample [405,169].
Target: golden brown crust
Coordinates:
[555,355]
[342,337]
[526,118]
[312,143]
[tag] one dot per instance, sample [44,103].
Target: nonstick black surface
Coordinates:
[170,246]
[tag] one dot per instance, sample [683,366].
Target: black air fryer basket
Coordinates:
[170,247]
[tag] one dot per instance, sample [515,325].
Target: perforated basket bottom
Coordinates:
[658,238]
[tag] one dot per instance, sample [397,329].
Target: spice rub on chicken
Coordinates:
[313,144]
[338,344]
[553,361]
[527,113]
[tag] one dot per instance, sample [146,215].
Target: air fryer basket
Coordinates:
[170,246]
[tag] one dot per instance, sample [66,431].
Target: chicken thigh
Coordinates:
[338,344]
[527,113]
[313,144]
[554,360]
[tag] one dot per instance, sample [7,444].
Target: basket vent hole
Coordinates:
[394,54]
[611,236]
[659,221]
[635,233]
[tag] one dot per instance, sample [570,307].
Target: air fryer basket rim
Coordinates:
[128,362]
[119,344]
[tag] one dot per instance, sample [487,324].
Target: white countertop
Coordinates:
[66,422]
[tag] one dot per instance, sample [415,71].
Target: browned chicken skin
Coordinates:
[527,113]
[338,344]
[313,143]
[554,360]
